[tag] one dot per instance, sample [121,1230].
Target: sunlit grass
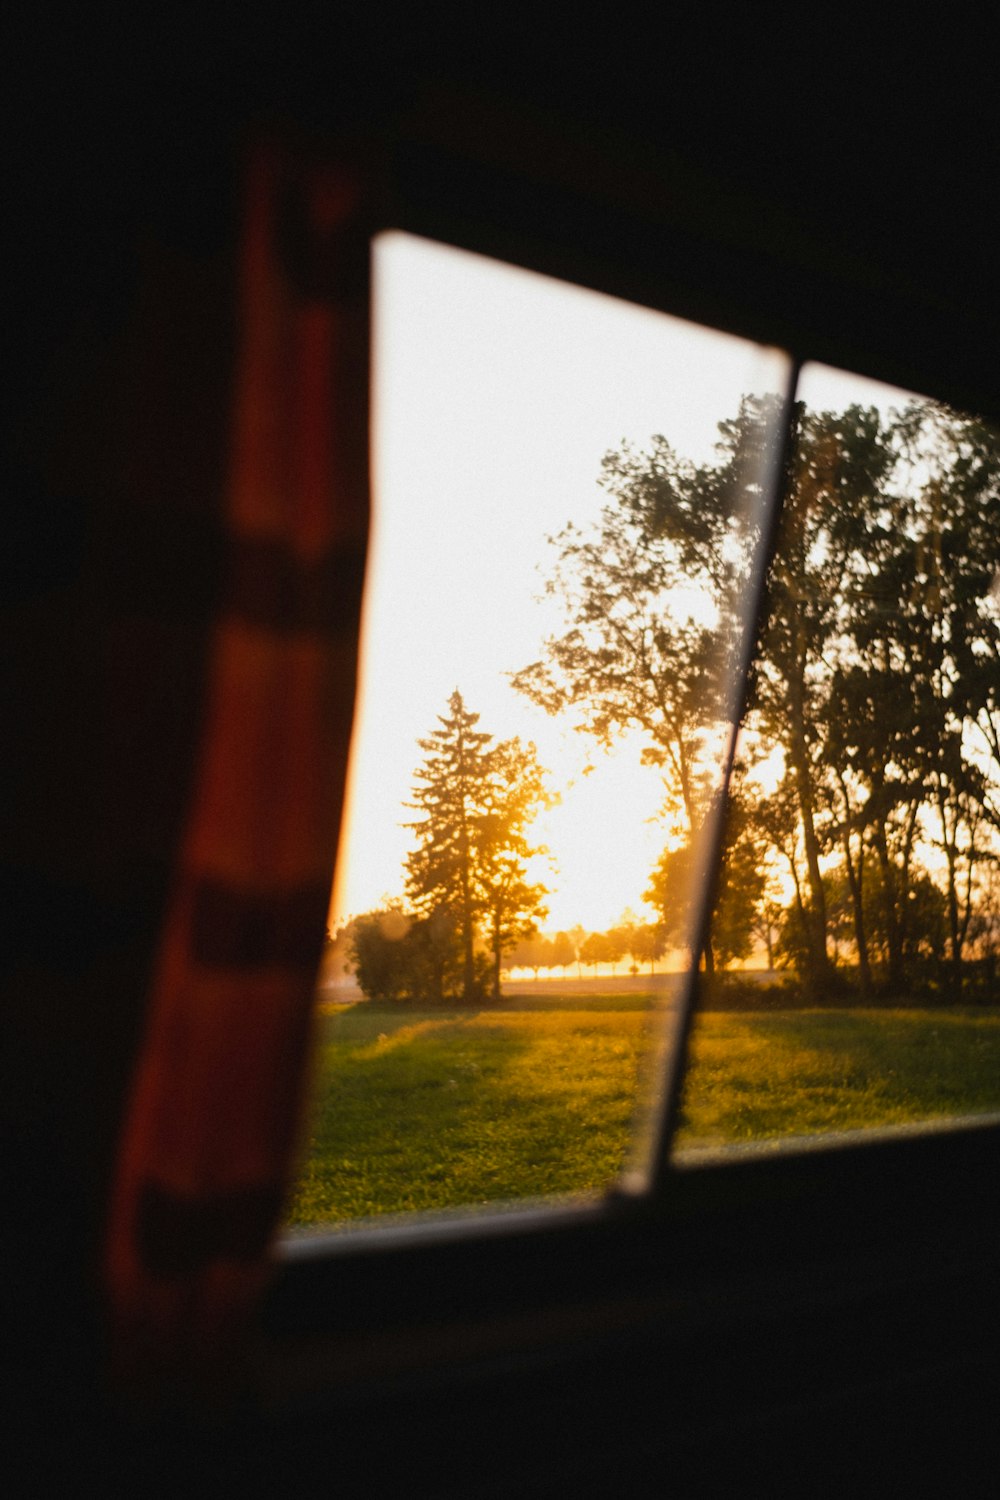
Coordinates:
[429,1110]
[760,1076]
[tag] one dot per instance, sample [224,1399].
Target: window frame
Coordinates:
[357,1312]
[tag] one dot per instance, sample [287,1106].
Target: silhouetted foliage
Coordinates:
[875,687]
[476,799]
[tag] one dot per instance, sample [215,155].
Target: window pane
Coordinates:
[863,897]
[554,619]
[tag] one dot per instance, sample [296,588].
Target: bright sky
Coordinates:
[496,394]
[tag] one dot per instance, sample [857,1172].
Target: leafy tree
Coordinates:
[904,683]
[648,943]
[593,950]
[875,689]
[617,942]
[837,462]
[532,951]
[398,956]
[563,951]
[510,903]
[652,598]
[742,879]
[766,925]
[923,925]
[337,942]
[578,935]
[669,893]
[876,665]
[377,955]
[678,879]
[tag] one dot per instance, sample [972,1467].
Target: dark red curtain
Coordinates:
[211,1122]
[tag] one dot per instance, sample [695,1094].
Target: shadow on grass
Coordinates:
[418,1109]
[802,1072]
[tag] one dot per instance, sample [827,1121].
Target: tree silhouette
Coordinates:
[476,799]
[649,943]
[563,951]
[510,796]
[874,696]
[654,602]
[652,597]
[440,873]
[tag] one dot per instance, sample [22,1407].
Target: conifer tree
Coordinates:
[448,793]
[475,799]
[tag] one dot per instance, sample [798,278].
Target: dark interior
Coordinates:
[798,1324]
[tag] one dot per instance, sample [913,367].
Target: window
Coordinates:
[702,1306]
[554,640]
[573,506]
[832,1312]
[861,854]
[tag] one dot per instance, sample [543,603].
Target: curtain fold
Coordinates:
[211,1124]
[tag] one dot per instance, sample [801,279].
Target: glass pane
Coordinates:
[863,837]
[554,619]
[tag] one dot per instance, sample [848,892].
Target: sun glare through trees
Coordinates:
[572,509]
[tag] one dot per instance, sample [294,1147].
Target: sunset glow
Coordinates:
[497,393]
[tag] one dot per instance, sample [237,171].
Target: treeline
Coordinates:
[396,955]
[869,778]
[638,943]
[862,832]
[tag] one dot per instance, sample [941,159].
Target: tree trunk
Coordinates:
[949,836]
[469,967]
[815,918]
[893,928]
[860,936]
[815,915]
[855,880]
[708,952]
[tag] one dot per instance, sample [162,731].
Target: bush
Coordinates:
[398,956]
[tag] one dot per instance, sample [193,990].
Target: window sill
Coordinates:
[781,1238]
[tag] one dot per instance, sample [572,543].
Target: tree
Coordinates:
[669,893]
[678,879]
[532,951]
[838,462]
[511,904]
[765,926]
[654,601]
[337,951]
[903,669]
[476,800]
[593,950]
[616,945]
[563,951]
[398,956]
[652,597]
[875,690]
[742,878]
[649,942]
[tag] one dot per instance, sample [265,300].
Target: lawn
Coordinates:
[420,1109]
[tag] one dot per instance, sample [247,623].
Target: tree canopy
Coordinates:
[875,688]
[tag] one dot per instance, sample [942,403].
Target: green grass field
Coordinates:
[439,1109]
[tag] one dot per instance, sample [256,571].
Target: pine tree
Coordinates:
[475,799]
[448,792]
